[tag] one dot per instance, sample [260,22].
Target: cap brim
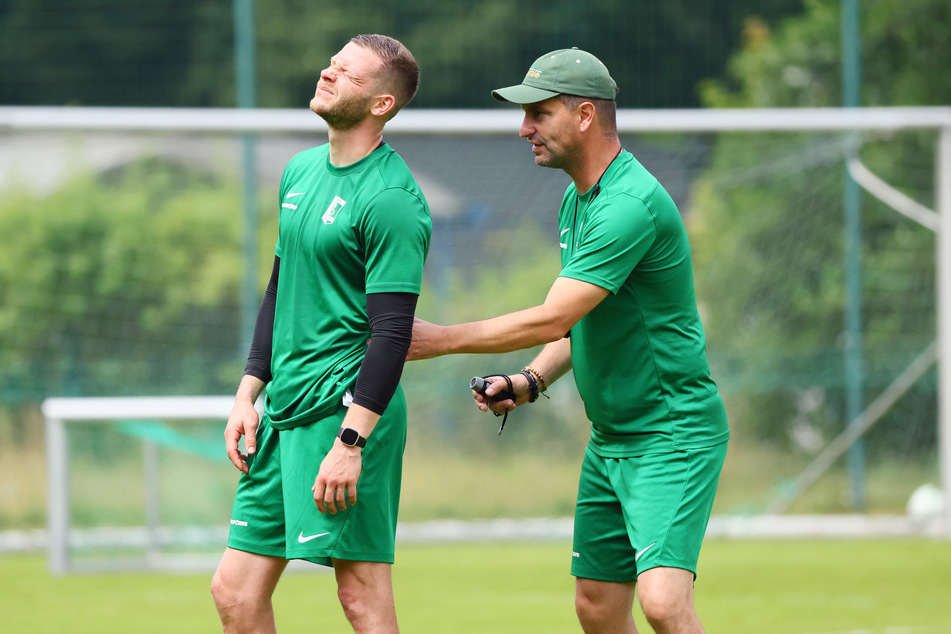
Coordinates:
[522,94]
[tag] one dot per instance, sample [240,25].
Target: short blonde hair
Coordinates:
[400,71]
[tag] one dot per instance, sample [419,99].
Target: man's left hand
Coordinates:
[336,482]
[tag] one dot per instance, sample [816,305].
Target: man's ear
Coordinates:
[382,104]
[586,113]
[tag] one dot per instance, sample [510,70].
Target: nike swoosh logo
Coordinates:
[643,550]
[303,540]
[563,232]
[291,195]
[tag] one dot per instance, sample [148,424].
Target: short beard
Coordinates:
[346,114]
[566,159]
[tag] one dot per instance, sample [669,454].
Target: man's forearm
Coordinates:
[553,361]
[506,333]
[249,389]
[361,419]
[567,302]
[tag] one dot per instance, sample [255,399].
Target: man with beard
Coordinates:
[354,230]
[622,316]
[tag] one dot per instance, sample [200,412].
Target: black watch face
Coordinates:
[349,436]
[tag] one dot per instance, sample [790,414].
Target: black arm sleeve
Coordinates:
[391,331]
[259,358]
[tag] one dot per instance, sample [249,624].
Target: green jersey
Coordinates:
[639,358]
[344,232]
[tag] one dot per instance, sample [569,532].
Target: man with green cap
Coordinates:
[622,315]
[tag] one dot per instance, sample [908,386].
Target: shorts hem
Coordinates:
[611,451]
[601,575]
[668,564]
[257,549]
[326,555]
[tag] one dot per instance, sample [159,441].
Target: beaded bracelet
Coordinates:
[541,380]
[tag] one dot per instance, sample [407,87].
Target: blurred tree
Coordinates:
[783,222]
[98,52]
[906,52]
[127,281]
[657,51]
[179,52]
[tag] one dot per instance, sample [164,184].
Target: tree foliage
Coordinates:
[181,52]
[905,52]
[123,282]
[784,223]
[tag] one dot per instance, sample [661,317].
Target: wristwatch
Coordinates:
[351,437]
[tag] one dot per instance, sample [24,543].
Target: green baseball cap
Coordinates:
[568,71]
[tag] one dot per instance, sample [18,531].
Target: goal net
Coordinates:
[136,243]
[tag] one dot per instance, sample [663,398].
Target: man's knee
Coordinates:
[354,602]
[602,606]
[666,597]
[221,592]
[242,585]
[590,606]
[661,608]
[584,605]
[232,598]
[365,592]
[232,608]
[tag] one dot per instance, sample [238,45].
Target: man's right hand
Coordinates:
[498,384]
[243,421]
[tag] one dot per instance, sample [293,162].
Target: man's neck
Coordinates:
[594,162]
[349,146]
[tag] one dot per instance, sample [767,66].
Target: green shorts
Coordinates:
[643,512]
[274,512]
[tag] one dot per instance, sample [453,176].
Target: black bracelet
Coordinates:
[542,386]
[532,386]
[499,396]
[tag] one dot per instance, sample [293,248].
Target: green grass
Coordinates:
[774,587]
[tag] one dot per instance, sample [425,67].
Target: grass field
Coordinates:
[756,587]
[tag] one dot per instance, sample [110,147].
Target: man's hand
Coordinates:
[339,473]
[498,384]
[243,421]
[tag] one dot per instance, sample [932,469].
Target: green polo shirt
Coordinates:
[639,358]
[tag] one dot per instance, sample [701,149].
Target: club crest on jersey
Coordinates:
[331,214]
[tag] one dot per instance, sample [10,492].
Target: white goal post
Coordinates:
[505,121]
[58,412]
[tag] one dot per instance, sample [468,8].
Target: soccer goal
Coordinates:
[129,435]
[821,241]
